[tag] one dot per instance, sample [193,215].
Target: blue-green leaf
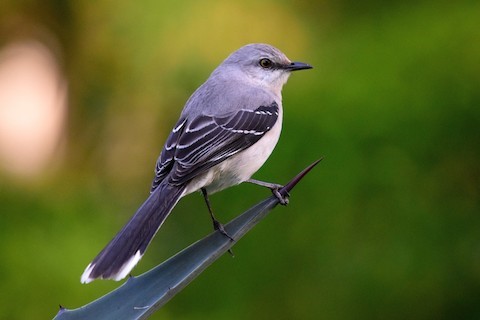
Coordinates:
[140,296]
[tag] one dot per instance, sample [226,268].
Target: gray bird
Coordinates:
[226,131]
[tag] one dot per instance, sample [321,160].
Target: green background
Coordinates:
[386,227]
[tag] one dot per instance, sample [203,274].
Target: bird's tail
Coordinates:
[124,251]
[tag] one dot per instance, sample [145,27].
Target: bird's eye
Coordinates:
[265,63]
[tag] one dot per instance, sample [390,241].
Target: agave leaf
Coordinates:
[140,296]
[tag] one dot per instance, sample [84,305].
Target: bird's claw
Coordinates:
[218,226]
[281,198]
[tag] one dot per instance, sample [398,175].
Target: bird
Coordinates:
[226,131]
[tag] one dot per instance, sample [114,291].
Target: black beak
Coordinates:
[294,66]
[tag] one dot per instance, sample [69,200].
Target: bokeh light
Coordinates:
[32,107]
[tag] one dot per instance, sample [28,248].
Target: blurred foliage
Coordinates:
[388,225]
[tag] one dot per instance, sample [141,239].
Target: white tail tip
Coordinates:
[119,275]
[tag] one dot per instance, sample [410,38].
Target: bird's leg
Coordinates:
[216,224]
[274,187]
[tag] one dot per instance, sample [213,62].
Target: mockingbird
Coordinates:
[226,131]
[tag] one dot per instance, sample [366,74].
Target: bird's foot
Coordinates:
[218,226]
[283,199]
[275,187]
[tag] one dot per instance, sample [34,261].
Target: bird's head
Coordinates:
[262,65]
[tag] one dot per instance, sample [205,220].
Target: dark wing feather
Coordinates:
[165,160]
[205,141]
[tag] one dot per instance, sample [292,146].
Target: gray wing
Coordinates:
[196,145]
